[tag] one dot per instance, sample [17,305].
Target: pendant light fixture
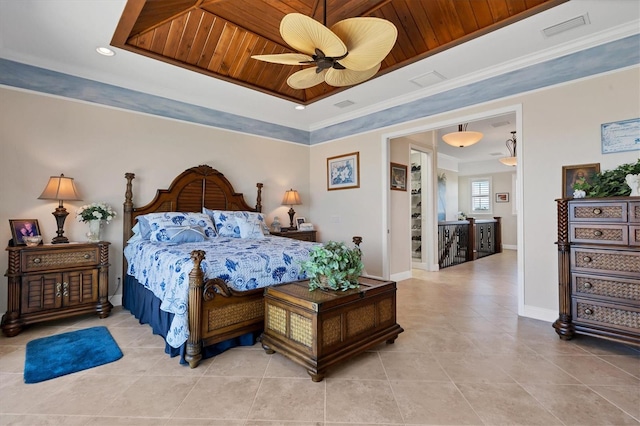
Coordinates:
[512,160]
[462,137]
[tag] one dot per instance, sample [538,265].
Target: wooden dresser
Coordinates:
[297,235]
[53,281]
[599,268]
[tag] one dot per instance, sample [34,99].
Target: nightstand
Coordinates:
[54,281]
[297,235]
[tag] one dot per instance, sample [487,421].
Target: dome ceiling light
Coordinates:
[512,160]
[462,137]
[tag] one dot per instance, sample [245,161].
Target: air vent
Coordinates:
[566,25]
[344,104]
[500,124]
[428,79]
[497,154]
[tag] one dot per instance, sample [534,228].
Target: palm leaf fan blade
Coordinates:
[348,77]
[305,35]
[368,40]
[306,78]
[284,58]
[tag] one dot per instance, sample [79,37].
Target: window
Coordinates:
[481,195]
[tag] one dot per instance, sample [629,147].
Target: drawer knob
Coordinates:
[597,211]
[37,260]
[588,285]
[87,256]
[597,233]
[586,259]
[588,311]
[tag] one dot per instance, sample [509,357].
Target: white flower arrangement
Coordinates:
[95,211]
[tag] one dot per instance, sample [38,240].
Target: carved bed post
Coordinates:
[563,324]
[126,218]
[196,281]
[259,198]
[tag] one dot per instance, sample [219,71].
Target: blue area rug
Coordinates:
[66,353]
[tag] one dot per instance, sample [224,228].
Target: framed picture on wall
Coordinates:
[579,173]
[343,171]
[21,228]
[398,176]
[502,197]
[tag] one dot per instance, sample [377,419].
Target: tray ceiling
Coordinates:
[218,37]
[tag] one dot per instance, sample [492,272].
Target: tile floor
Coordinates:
[465,358]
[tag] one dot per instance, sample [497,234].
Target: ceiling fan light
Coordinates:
[462,138]
[509,161]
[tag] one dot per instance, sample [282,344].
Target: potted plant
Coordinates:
[333,266]
[610,183]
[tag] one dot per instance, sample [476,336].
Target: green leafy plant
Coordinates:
[610,183]
[333,266]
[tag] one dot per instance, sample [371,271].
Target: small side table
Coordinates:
[297,235]
[318,329]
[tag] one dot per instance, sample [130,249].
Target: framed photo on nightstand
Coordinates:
[21,228]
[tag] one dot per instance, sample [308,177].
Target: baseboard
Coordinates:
[509,247]
[541,314]
[401,276]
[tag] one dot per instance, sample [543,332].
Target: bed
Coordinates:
[216,314]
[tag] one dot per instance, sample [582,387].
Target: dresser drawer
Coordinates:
[599,233]
[624,290]
[608,315]
[598,211]
[41,260]
[618,262]
[634,235]
[634,211]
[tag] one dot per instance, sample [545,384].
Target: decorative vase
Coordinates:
[95,226]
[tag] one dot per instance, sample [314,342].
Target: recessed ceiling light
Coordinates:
[105,51]
[299,107]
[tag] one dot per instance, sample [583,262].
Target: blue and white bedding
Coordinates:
[243,263]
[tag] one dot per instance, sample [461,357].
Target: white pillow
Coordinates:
[226,224]
[159,223]
[250,228]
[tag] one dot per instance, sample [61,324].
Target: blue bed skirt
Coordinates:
[145,306]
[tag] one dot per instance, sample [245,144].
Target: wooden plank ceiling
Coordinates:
[218,37]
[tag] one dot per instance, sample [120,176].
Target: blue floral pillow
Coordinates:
[165,226]
[179,234]
[226,224]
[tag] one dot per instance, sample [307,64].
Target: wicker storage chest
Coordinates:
[599,268]
[318,329]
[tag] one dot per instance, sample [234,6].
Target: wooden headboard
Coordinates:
[193,189]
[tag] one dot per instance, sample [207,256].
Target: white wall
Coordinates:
[560,126]
[41,136]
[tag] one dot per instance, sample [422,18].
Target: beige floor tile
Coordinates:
[627,398]
[219,398]
[592,370]
[280,366]
[413,366]
[628,363]
[150,396]
[13,361]
[579,405]
[533,368]
[366,366]
[502,404]
[240,362]
[297,400]
[126,421]
[431,403]
[17,397]
[480,368]
[134,362]
[170,366]
[41,420]
[437,341]
[374,403]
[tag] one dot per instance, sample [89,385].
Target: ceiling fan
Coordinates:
[347,54]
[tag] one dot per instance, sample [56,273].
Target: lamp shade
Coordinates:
[462,137]
[291,198]
[60,188]
[512,160]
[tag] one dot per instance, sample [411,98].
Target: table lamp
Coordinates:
[60,188]
[291,198]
